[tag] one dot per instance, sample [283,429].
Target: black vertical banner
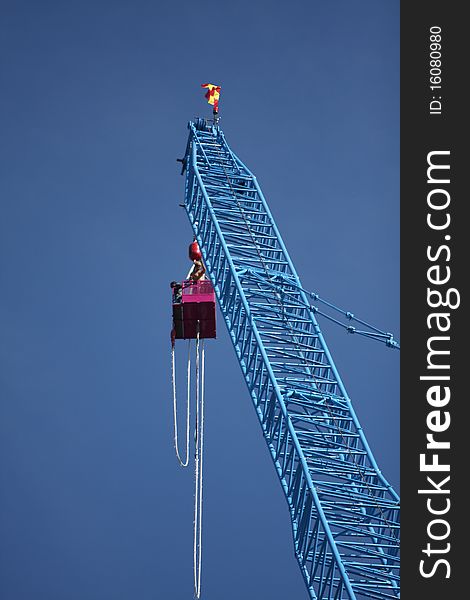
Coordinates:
[435,259]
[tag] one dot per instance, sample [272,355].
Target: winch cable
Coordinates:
[199,439]
[183,463]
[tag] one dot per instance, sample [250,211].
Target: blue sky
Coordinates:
[94,105]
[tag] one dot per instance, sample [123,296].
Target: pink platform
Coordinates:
[196,308]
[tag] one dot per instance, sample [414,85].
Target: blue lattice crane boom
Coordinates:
[344,513]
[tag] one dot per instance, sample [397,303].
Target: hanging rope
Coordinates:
[199,439]
[199,445]
[185,462]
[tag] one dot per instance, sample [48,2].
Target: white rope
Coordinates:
[175,415]
[199,434]
[199,446]
[200,468]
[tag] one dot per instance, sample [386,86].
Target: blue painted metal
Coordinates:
[345,515]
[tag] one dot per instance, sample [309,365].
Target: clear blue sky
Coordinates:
[94,105]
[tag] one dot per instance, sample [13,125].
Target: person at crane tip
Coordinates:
[198,270]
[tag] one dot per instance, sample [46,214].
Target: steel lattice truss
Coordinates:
[345,516]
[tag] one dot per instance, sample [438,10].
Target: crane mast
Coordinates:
[344,513]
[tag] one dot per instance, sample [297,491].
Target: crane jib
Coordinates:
[345,515]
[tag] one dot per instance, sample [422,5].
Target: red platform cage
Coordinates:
[193,306]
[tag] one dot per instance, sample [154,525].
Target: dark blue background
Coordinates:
[94,105]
